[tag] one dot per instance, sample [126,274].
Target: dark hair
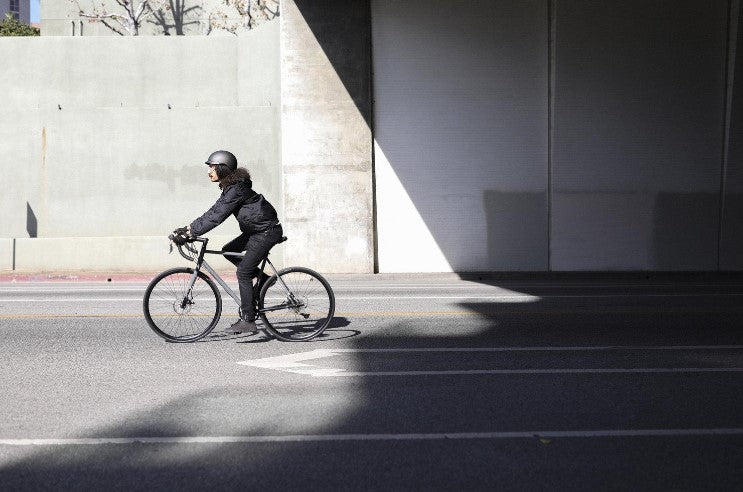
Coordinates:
[222,171]
[232,177]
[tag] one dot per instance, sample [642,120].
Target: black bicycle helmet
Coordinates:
[224,158]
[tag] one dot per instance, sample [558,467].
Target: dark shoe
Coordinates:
[242,326]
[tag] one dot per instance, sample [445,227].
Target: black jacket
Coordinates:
[253,212]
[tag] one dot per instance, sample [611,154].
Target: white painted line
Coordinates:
[475,372]
[544,348]
[295,363]
[377,437]
[526,286]
[499,298]
[343,298]
[531,298]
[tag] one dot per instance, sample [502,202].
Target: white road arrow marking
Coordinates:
[294,363]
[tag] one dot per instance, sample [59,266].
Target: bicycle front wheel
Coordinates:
[177,313]
[296,307]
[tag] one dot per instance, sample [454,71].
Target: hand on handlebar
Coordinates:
[180,236]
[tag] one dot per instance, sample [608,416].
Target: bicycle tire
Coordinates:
[163,301]
[300,321]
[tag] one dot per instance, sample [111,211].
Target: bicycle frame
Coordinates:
[202,263]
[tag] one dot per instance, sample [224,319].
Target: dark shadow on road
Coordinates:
[417,398]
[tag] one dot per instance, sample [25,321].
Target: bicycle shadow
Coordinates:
[331,333]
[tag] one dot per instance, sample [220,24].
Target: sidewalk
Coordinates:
[88,277]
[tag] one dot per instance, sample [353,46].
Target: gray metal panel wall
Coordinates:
[637,134]
[461,117]
[731,247]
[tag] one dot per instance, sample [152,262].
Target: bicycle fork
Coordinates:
[187,298]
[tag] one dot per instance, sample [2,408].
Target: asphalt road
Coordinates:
[423,382]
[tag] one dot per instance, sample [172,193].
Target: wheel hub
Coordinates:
[180,309]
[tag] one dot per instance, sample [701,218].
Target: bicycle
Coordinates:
[184,304]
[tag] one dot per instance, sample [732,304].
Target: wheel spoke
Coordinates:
[314,308]
[165,311]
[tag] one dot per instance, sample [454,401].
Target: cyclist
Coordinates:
[258,221]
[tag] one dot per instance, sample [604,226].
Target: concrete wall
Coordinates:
[638,132]
[509,135]
[731,247]
[460,129]
[558,135]
[326,135]
[103,138]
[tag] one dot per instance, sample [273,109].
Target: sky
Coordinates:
[34,10]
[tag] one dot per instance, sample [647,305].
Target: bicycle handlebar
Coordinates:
[191,254]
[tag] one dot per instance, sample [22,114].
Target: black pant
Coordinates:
[256,247]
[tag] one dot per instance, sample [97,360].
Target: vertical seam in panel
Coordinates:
[375,232]
[550,117]
[729,73]
[280,103]
[13,267]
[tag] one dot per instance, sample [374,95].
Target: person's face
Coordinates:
[213,174]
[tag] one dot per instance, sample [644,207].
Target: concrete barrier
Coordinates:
[105,254]
[6,254]
[103,139]
[103,142]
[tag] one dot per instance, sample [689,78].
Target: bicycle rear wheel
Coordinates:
[300,313]
[177,314]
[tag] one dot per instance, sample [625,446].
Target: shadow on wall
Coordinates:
[343,30]
[156,172]
[685,232]
[516,230]
[461,120]
[623,231]
[32,223]
[180,15]
[731,249]
[497,119]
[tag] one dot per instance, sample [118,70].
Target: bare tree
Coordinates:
[250,14]
[129,17]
